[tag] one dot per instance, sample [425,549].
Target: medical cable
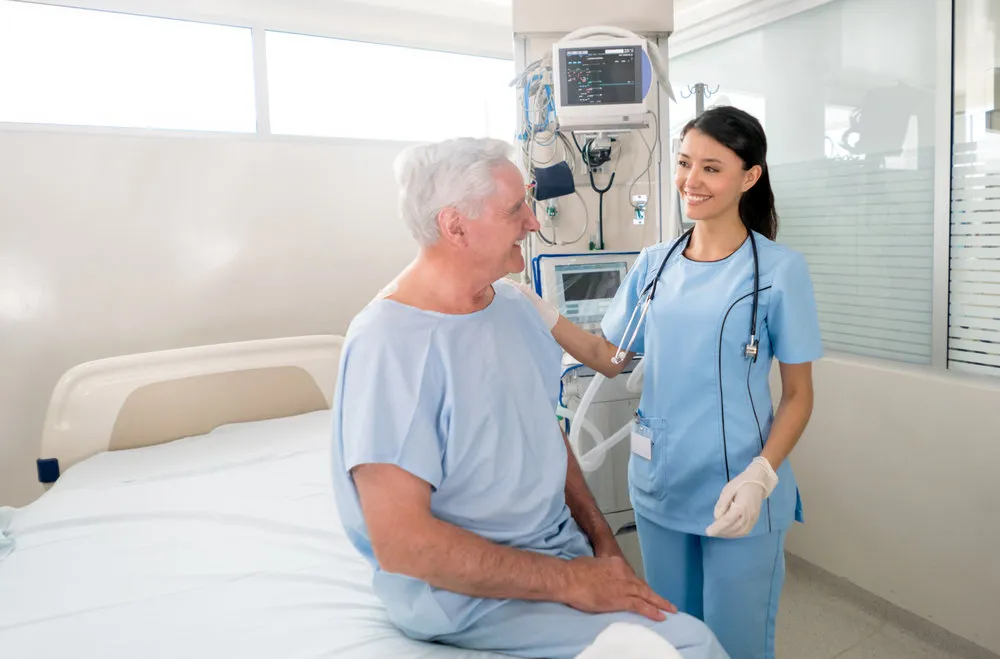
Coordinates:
[537,130]
[648,172]
[586,223]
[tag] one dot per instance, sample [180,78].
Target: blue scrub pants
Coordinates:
[546,630]
[731,584]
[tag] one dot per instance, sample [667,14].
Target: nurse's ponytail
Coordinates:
[743,134]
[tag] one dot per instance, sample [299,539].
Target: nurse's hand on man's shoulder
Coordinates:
[550,315]
[608,585]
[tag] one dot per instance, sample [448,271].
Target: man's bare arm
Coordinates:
[585,510]
[407,539]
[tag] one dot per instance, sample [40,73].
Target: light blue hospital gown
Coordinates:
[467,404]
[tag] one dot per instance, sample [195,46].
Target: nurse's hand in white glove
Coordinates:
[739,505]
[550,315]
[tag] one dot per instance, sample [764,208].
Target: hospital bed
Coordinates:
[193,516]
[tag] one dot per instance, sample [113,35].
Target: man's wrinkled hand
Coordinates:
[608,585]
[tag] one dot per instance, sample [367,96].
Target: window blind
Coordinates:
[974,304]
[866,232]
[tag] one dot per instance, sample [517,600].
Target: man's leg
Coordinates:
[546,630]
[743,581]
[672,562]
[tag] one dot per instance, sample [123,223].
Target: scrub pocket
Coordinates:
[649,476]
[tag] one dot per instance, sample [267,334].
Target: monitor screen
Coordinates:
[594,285]
[601,75]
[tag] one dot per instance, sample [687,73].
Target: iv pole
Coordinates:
[700,91]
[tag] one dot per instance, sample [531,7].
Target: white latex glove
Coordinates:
[550,315]
[739,505]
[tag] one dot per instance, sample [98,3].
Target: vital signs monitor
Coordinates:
[601,84]
[581,286]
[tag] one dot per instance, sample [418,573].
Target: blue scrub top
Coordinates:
[467,404]
[706,407]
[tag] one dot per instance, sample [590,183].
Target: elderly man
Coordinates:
[451,473]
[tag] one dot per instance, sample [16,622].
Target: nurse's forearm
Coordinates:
[589,349]
[789,423]
[584,508]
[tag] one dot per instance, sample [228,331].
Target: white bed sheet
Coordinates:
[224,545]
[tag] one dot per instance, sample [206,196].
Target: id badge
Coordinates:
[642,441]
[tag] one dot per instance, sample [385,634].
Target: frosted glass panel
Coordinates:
[74,66]
[848,108]
[974,305]
[337,88]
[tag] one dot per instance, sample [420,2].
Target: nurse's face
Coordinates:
[710,177]
[494,238]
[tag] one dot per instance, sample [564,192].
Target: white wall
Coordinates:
[898,477]
[113,244]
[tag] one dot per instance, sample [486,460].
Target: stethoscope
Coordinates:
[749,351]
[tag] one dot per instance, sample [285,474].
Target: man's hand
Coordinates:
[608,585]
[611,549]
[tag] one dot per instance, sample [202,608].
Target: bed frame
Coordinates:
[156,397]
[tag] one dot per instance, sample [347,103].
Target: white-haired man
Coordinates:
[451,473]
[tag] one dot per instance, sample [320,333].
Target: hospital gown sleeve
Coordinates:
[624,303]
[392,400]
[792,320]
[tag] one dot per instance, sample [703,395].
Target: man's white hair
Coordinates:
[456,173]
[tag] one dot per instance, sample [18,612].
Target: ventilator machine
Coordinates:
[593,99]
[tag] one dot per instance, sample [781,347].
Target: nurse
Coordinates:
[709,476]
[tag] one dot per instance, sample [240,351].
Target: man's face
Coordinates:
[494,238]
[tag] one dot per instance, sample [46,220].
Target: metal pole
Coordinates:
[699,99]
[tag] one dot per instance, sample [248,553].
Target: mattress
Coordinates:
[223,545]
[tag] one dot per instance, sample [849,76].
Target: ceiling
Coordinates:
[498,12]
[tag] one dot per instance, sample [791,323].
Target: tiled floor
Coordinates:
[821,618]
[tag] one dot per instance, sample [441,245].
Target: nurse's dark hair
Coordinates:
[743,134]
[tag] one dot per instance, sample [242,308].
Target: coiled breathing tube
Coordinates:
[594,458]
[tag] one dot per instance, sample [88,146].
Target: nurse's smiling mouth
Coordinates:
[695,199]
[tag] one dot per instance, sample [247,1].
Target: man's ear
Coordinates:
[451,224]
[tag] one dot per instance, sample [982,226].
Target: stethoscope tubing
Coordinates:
[750,349]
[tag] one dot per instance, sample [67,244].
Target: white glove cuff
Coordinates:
[550,315]
[770,478]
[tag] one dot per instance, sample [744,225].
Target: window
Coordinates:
[850,127]
[974,310]
[73,66]
[336,88]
